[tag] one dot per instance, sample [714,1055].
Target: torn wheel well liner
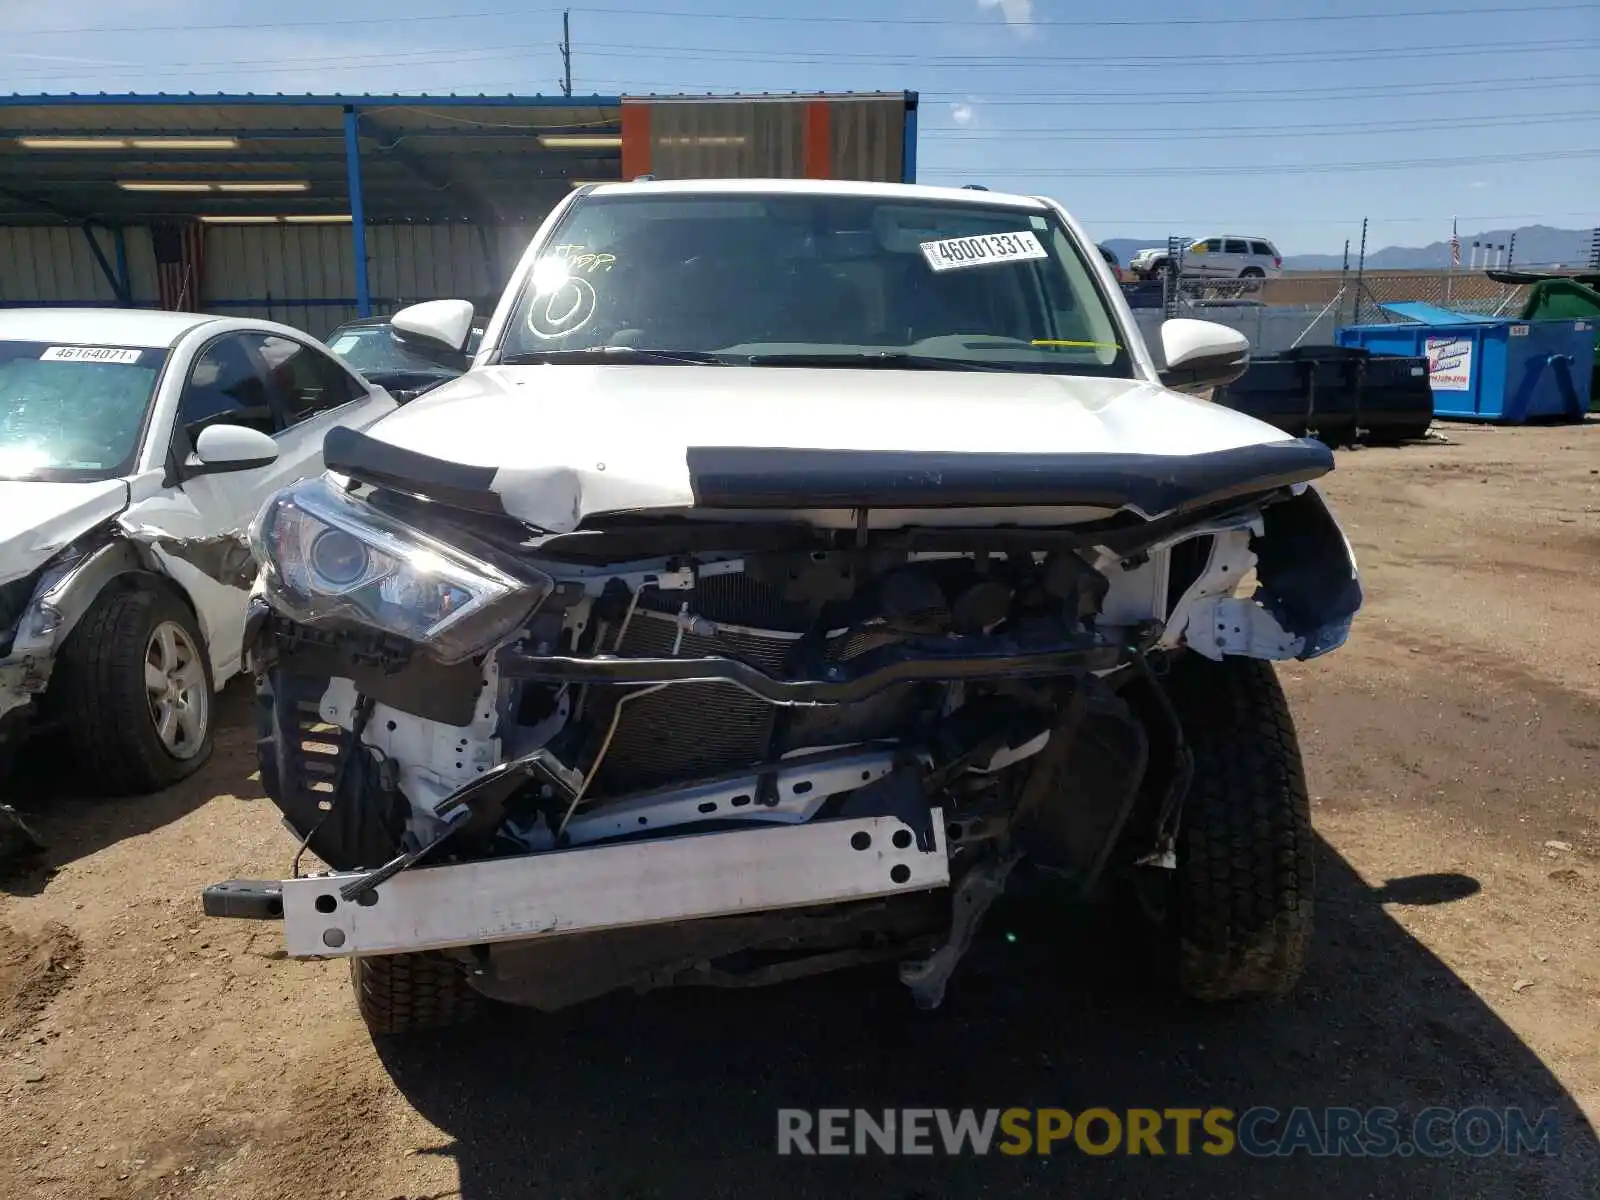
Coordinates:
[1307,576]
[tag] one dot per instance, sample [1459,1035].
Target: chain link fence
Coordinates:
[1306,307]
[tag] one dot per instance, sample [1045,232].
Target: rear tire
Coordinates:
[113,714]
[1243,887]
[1252,273]
[412,993]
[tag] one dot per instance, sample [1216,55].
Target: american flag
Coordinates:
[180,253]
[1455,247]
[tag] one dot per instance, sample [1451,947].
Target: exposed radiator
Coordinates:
[693,728]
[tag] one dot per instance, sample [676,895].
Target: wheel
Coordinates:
[1242,908]
[1252,273]
[412,993]
[134,687]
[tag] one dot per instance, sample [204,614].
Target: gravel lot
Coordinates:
[1452,748]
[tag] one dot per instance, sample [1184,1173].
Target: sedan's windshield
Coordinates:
[789,280]
[72,412]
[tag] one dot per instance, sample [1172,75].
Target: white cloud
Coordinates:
[1016,13]
[1480,183]
[962,113]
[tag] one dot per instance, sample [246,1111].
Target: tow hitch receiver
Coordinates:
[244,899]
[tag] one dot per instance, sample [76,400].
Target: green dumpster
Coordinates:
[1557,299]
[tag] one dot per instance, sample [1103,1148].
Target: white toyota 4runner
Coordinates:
[794,560]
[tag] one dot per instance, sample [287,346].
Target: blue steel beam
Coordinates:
[596,129]
[117,280]
[358,214]
[119,239]
[92,100]
[908,153]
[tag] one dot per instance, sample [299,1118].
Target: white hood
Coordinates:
[566,441]
[37,519]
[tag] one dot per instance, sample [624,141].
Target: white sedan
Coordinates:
[135,447]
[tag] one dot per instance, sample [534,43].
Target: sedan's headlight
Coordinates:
[328,558]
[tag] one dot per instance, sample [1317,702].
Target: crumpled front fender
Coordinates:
[1308,587]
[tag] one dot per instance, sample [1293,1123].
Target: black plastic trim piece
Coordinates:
[758,477]
[914,660]
[370,460]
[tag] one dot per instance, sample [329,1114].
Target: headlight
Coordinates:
[329,558]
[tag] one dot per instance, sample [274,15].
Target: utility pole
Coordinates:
[566,53]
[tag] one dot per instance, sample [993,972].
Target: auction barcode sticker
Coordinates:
[952,254]
[106,354]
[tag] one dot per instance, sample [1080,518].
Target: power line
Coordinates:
[1402,164]
[445,56]
[1229,133]
[1164,62]
[1145,97]
[704,15]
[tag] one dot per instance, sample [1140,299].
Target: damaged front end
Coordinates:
[40,610]
[735,746]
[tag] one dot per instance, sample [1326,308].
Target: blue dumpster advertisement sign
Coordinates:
[1449,364]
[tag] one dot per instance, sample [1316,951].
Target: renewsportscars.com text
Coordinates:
[1260,1132]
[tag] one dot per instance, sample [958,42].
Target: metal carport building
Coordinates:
[315,209]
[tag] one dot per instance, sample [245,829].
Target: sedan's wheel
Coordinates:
[180,696]
[135,687]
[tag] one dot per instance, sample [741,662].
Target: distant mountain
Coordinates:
[1537,245]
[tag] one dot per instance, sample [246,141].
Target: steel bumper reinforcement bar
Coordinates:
[913,661]
[601,887]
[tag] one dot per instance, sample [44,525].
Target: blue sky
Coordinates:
[1143,119]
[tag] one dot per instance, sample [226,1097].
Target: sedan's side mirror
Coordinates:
[1202,354]
[223,448]
[436,324]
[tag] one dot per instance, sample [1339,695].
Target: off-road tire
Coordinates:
[412,993]
[99,690]
[1242,911]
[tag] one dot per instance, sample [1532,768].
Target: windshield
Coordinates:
[373,350]
[841,281]
[72,413]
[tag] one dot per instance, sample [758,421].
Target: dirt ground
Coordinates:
[1452,749]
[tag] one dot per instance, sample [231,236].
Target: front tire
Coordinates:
[1243,903]
[412,993]
[134,685]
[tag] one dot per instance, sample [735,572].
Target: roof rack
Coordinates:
[973,187]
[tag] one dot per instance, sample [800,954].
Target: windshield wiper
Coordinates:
[615,354]
[890,359]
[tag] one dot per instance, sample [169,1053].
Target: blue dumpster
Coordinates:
[1493,369]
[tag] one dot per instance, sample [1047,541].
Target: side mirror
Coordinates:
[223,448]
[1201,354]
[437,324]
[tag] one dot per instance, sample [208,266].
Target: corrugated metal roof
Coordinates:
[422,157]
[428,158]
